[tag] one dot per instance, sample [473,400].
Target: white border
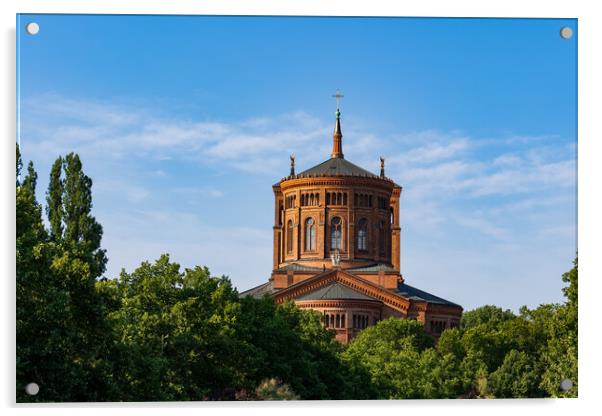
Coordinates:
[590,189]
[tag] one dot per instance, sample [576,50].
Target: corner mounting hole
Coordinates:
[566,384]
[32,389]
[566,32]
[32,28]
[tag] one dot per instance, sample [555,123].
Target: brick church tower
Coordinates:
[337,248]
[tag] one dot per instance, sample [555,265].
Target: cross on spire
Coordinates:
[337,137]
[338,97]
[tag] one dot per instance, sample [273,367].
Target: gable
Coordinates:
[348,283]
[334,290]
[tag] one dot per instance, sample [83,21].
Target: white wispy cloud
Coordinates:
[511,194]
[106,130]
[204,191]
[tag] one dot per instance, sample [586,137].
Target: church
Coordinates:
[337,249]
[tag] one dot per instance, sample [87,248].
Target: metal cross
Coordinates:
[338,96]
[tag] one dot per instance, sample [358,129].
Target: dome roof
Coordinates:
[336,167]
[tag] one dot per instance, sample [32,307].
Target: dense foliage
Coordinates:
[162,333]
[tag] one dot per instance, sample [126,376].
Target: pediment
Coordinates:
[341,283]
[333,291]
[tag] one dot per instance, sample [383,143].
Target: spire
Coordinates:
[337,137]
[382,167]
[292,164]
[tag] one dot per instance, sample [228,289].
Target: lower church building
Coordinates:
[337,249]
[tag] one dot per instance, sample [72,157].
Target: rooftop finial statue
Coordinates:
[336,258]
[292,164]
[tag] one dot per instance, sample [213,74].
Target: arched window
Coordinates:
[362,235]
[381,238]
[326,321]
[335,233]
[345,199]
[317,199]
[310,235]
[327,198]
[280,209]
[343,321]
[311,199]
[289,236]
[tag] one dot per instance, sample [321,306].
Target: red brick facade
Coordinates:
[340,210]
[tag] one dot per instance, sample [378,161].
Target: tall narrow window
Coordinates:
[362,235]
[310,235]
[381,238]
[327,198]
[335,233]
[280,209]
[289,236]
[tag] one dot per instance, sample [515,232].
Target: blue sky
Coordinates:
[184,123]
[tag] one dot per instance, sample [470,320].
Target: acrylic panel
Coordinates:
[295,208]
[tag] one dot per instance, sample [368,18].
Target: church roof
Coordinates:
[376,267]
[299,268]
[413,293]
[336,166]
[259,291]
[334,291]
[337,290]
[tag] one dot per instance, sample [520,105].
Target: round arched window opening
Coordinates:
[362,235]
[335,233]
[289,236]
[310,235]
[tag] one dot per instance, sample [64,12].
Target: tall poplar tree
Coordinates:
[82,231]
[54,200]
[63,337]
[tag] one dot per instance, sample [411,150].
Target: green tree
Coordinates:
[61,327]
[19,166]
[81,230]
[274,389]
[516,377]
[485,314]
[54,200]
[559,357]
[285,342]
[31,180]
[175,332]
[390,352]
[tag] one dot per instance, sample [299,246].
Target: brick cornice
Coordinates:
[340,303]
[444,309]
[383,184]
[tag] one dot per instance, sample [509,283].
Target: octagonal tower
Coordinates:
[336,210]
[337,248]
